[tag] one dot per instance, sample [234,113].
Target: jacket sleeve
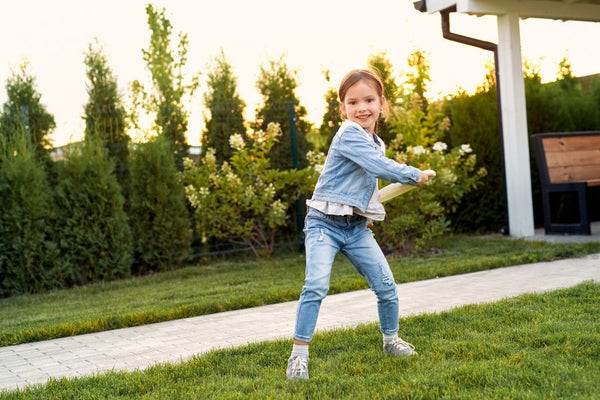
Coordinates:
[356,146]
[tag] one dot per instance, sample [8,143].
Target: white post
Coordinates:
[514,122]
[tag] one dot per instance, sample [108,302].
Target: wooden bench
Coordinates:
[568,162]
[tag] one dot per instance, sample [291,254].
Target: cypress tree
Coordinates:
[277,85]
[27,249]
[95,239]
[225,109]
[105,115]
[24,116]
[159,218]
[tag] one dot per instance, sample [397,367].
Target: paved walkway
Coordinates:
[143,346]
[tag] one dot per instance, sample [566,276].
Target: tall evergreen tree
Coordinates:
[28,252]
[94,236]
[332,118]
[105,114]
[418,78]
[225,109]
[24,115]
[166,68]
[277,85]
[380,62]
[159,219]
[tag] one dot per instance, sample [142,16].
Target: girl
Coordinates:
[344,203]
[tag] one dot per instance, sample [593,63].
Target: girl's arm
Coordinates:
[355,146]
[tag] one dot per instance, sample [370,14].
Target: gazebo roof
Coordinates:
[582,10]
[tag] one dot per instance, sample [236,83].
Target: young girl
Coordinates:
[343,204]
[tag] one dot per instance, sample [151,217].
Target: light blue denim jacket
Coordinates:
[353,166]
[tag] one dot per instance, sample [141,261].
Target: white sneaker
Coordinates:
[297,368]
[398,347]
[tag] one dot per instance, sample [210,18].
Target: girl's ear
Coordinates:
[343,110]
[384,106]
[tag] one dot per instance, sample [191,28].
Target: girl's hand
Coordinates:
[426,176]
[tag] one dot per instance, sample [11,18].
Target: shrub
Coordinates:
[474,121]
[27,251]
[94,237]
[159,217]
[418,216]
[244,200]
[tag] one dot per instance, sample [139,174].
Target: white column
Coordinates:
[514,122]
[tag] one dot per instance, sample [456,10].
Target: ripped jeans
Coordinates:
[326,235]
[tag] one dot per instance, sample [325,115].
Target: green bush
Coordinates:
[159,218]
[421,215]
[474,121]
[94,237]
[244,200]
[27,251]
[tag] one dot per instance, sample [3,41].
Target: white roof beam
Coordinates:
[532,9]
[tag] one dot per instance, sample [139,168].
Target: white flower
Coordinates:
[278,210]
[188,163]
[270,190]
[464,149]
[417,150]
[274,129]
[439,146]
[210,159]
[236,141]
[192,196]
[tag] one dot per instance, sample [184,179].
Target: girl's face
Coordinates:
[363,105]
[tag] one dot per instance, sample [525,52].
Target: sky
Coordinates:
[311,36]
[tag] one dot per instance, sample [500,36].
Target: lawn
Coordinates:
[221,286]
[536,346]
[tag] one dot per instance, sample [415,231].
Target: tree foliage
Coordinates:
[381,63]
[28,252]
[166,67]
[94,236]
[244,200]
[24,115]
[277,85]
[104,113]
[158,215]
[225,109]
[332,118]
[419,129]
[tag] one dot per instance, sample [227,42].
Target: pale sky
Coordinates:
[312,35]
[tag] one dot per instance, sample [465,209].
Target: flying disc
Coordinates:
[396,189]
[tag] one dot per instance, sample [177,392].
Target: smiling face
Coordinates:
[363,104]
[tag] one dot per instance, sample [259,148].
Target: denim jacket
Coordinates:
[353,165]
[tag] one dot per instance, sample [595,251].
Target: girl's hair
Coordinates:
[357,75]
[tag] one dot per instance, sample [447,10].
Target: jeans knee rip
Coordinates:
[385,277]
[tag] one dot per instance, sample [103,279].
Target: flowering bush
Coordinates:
[244,200]
[422,214]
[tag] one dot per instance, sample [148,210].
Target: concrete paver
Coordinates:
[143,346]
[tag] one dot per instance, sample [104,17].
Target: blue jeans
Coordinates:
[326,235]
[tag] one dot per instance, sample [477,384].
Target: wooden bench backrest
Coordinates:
[572,157]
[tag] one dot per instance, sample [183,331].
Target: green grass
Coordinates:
[537,346]
[222,286]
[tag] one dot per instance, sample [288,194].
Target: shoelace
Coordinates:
[299,365]
[397,342]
